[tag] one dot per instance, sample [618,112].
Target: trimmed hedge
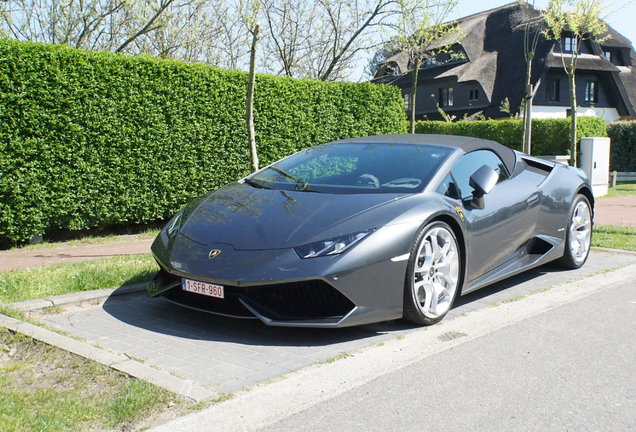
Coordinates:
[549,136]
[91,139]
[623,148]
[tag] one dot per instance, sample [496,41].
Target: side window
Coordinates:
[449,188]
[470,163]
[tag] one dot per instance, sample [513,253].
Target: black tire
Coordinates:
[578,234]
[433,275]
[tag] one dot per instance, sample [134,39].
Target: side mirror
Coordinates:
[482,181]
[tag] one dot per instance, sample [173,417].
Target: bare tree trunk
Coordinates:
[249,116]
[527,110]
[573,137]
[416,70]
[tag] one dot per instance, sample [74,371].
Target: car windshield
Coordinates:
[355,168]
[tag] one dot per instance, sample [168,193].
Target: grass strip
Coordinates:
[614,237]
[58,279]
[43,388]
[621,189]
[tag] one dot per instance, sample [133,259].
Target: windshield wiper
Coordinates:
[301,184]
[255,184]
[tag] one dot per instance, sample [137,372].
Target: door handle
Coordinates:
[533,199]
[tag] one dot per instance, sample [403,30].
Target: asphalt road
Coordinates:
[558,360]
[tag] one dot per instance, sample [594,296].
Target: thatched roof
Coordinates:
[492,40]
[494,57]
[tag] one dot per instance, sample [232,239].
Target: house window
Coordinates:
[591,92]
[473,95]
[569,44]
[446,96]
[552,90]
[392,68]
[607,55]
[407,101]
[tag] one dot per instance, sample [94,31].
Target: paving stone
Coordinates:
[235,384]
[227,353]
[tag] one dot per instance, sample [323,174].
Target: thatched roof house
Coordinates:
[491,69]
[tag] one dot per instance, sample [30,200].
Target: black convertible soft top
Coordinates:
[467,144]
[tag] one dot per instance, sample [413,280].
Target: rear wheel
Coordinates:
[578,237]
[433,275]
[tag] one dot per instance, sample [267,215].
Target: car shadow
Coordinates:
[161,316]
[505,284]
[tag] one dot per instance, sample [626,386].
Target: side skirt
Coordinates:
[535,252]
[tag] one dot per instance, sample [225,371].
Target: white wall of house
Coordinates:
[541,112]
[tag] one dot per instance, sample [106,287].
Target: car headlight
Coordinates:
[174,225]
[332,246]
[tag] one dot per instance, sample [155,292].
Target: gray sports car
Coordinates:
[372,229]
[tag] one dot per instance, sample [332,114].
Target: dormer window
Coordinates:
[615,56]
[569,44]
[391,68]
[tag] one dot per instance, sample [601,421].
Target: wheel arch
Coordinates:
[587,193]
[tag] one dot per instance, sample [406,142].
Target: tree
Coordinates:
[532,31]
[422,32]
[255,30]
[345,23]
[290,31]
[131,26]
[248,10]
[77,23]
[320,39]
[570,23]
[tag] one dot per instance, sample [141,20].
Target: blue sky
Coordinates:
[619,14]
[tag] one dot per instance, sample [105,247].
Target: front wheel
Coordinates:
[433,275]
[578,236]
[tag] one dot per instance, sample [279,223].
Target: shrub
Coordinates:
[623,148]
[549,136]
[89,139]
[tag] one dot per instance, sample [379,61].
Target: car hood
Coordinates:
[254,219]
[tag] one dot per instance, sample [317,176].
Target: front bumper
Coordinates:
[361,286]
[305,302]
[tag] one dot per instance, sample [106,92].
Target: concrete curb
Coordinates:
[77,298]
[620,251]
[120,362]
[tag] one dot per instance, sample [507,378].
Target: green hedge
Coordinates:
[623,148]
[90,139]
[549,136]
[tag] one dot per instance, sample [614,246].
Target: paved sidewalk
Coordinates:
[616,211]
[199,355]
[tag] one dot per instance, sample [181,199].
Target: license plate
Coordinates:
[204,288]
